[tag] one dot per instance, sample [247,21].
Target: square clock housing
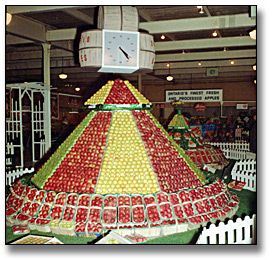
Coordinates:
[120,51]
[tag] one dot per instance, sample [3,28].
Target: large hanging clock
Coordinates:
[120,51]
[117,47]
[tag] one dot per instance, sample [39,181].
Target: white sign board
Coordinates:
[241,106]
[204,95]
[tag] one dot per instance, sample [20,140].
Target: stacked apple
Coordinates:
[169,166]
[219,201]
[124,214]
[56,212]
[201,193]
[69,213]
[31,195]
[196,219]
[84,200]
[81,214]
[26,207]
[72,199]
[232,204]
[97,201]
[199,207]
[227,209]
[194,195]
[44,211]
[10,211]
[207,205]
[19,188]
[214,215]
[34,208]
[136,238]
[120,94]
[120,171]
[188,209]
[80,227]
[184,196]
[166,210]
[162,197]
[40,195]
[26,191]
[123,200]
[174,199]
[79,170]
[136,200]
[60,199]
[50,197]
[110,201]
[224,199]
[22,217]
[152,213]
[94,227]
[32,220]
[214,204]
[10,200]
[109,215]
[138,214]
[18,204]
[42,221]
[94,215]
[178,211]
[208,191]
[66,224]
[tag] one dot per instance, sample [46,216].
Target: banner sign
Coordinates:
[204,95]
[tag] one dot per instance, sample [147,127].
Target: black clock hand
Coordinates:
[124,53]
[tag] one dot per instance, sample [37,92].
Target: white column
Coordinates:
[47,105]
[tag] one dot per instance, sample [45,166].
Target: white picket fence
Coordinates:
[239,232]
[245,171]
[242,146]
[12,175]
[234,154]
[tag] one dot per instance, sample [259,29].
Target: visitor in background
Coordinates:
[252,127]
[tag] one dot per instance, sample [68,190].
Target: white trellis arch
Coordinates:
[39,97]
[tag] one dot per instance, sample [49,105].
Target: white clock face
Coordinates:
[120,51]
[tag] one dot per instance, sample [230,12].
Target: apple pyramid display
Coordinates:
[118,170]
[191,141]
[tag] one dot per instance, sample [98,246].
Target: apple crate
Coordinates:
[149,199]
[10,200]
[169,227]
[82,214]
[22,219]
[66,228]
[184,196]
[136,199]
[141,229]
[72,199]
[124,230]
[43,225]
[95,214]
[18,204]
[10,213]
[166,211]
[34,209]
[174,199]
[31,194]
[97,200]
[182,225]
[39,197]
[54,226]
[178,211]
[32,223]
[123,200]
[161,197]
[135,210]
[50,197]
[109,216]
[136,238]
[94,229]
[124,215]
[154,230]
[60,199]
[110,201]
[84,200]
[152,209]
[56,212]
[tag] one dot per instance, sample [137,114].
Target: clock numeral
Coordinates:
[88,39]
[85,57]
[153,61]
